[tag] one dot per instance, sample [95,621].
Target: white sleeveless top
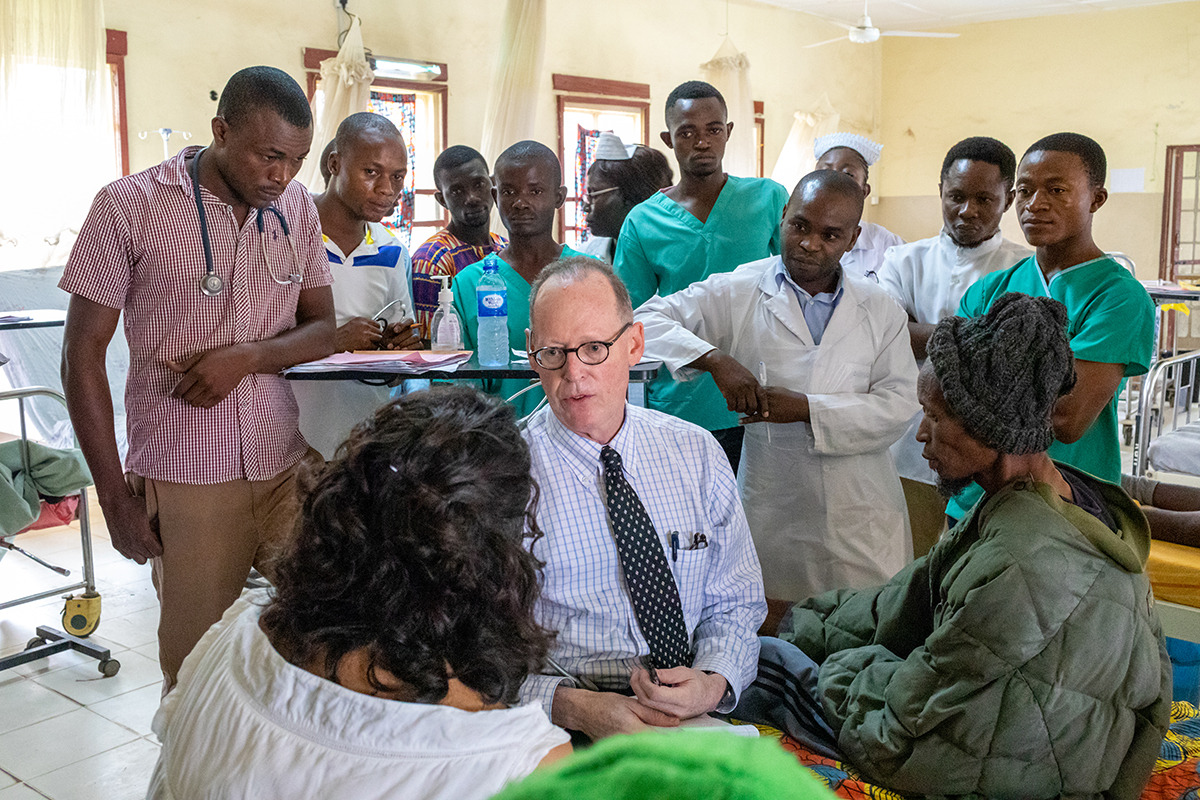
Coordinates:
[244,723]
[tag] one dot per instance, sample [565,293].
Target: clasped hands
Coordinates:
[745,395]
[360,333]
[681,693]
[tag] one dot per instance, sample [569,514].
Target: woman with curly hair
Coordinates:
[384,661]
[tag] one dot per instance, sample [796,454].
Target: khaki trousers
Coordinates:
[212,536]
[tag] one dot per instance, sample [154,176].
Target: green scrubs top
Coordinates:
[1110,320]
[465,303]
[663,248]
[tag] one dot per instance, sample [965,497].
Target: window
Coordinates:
[586,108]
[418,109]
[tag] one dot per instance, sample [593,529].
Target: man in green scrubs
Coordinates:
[709,222]
[1060,186]
[528,190]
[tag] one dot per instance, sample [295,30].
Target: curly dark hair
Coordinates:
[411,544]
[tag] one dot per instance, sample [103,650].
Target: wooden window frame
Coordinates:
[313,57]
[578,90]
[116,48]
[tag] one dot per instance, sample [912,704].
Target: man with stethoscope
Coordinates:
[216,260]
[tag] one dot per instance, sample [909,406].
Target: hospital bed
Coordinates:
[1167,440]
[81,612]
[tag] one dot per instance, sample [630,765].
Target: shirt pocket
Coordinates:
[690,568]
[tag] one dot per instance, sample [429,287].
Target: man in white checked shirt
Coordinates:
[605,595]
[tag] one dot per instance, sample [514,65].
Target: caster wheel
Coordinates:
[36,641]
[109,667]
[81,614]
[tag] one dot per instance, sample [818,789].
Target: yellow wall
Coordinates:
[179,51]
[1126,78]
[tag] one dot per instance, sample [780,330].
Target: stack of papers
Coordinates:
[398,362]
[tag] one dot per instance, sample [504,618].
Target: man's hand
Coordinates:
[785,405]
[129,527]
[601,714]
[359,333]
[209,377]
[681,692]
[403,335]
[737,384]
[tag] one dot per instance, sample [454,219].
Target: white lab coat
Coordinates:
[823,499]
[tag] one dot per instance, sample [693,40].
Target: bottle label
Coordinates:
[493,304]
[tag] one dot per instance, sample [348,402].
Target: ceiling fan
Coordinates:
[865,32]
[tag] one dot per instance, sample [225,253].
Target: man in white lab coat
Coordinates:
[820,360]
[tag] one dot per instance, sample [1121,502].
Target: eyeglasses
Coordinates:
[590,353]
[591,196]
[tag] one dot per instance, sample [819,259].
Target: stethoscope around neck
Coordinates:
[211,283]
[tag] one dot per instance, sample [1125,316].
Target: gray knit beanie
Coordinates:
[1002,373]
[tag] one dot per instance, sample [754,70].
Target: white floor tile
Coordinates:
[148,650]
[21,792]
[25,703]
[131,630]
[123,572]
[86,685]
[122,773]
[6,780]
[46,746]
[119,601]
[134,710]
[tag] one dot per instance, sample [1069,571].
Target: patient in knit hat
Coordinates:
[1022,657]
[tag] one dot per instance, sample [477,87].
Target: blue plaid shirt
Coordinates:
[684,481]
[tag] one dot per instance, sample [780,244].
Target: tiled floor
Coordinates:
[66,732]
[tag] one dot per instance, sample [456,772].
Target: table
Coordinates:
[469,370]
[38,318]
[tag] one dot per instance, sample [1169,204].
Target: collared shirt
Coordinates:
[817,308]
[443,254]
[140,251]
[376,273]
[664,248]
[867,255]
[929,277]
[683,479]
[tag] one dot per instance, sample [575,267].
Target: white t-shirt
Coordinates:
[244,723]
[376,273]
[929,278]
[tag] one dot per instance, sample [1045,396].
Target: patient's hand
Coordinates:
[682,692]
[601,714]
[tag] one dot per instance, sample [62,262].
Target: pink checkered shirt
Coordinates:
[140,251]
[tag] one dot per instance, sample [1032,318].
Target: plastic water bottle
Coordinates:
[492,336]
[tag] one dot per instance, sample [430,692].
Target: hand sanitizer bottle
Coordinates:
[445,332]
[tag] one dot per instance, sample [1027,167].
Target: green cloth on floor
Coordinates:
[674,765]
[52,473]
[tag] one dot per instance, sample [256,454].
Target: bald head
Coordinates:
[826,183]
[531,152]
[363,126]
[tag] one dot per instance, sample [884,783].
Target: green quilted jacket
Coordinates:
[1021,658]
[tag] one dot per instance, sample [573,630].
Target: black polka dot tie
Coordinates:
[647,575]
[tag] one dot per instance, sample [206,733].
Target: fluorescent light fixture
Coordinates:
[405,70]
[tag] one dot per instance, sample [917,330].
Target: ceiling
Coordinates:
[932,14]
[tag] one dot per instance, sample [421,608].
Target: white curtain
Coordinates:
[729,71]
[55,109]
[796,158]
[345,89]
[512,102]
